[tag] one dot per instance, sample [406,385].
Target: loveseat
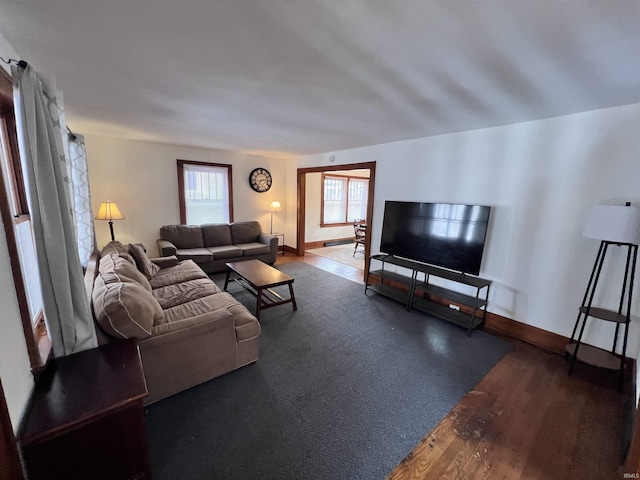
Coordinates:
[210,246]
[188,330]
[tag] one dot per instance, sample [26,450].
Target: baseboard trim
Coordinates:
[630,445]
[544,339]
[507,327]
[321,243]
[292,250]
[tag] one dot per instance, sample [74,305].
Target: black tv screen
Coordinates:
[442,234]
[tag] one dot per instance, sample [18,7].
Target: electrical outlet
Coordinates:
[454,307]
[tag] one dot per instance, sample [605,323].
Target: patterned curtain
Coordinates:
[66,308]
[83,215]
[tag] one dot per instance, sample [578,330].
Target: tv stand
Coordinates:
[419,293]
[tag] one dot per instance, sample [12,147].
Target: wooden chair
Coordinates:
[360,231]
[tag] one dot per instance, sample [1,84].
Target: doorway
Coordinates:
[302,217]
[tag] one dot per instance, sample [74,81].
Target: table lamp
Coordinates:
[109,211]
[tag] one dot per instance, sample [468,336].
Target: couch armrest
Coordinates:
[166,262]
[166,248]
[270,240]
[185,353]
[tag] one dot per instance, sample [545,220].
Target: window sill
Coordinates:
[23,217]
[45,349]
[329,225]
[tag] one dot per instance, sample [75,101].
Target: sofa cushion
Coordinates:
[216,234]
[227,251]
[183,272]
[116,248]
[254,248]
[198,255]
[125,310]
[246,324]
[190,309]
[177,294]
[183,236]
[121,266]
[245,232]
[220,316]
[142,261]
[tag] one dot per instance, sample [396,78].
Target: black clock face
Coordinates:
[260,180]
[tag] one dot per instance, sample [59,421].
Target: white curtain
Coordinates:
[81,195]
[66,309]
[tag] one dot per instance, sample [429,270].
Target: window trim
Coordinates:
[16,178]
[37,341]
[346,212]
[181,196]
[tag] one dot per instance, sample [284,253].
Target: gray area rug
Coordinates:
[344,388]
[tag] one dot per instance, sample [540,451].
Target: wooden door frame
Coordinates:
[10,466]
[302,197]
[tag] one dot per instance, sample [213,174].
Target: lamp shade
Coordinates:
[109,211]
[614,223]
[275,207]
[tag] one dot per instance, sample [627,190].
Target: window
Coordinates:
[344,199]
[15,216]
[205,192]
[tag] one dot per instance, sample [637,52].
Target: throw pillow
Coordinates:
[125,310]
[146,266]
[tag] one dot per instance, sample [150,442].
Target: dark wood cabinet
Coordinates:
[86,418]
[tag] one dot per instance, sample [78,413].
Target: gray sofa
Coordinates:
[188,330]
[210,246]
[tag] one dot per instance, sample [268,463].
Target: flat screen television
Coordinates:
[442,234]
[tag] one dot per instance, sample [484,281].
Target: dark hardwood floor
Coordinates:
[527,419]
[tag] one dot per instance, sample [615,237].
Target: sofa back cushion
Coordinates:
[120,266]
[125,309]
[116,248]
[245,232]
[183,236]
[216,234]
[146,266]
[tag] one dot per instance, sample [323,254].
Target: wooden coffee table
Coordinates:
[258,278]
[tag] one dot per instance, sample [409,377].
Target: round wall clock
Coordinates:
[260,179]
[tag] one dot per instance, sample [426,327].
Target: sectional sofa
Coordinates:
[188,330]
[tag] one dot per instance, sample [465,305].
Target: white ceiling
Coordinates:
[289,77]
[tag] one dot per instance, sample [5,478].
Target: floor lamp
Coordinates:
[109,211]
[274,207]
[614,226]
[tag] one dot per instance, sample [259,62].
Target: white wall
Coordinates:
[15,370]
[141,177]
[541,178]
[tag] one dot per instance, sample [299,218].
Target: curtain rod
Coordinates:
[72,135]
[23,64]
[20,63]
